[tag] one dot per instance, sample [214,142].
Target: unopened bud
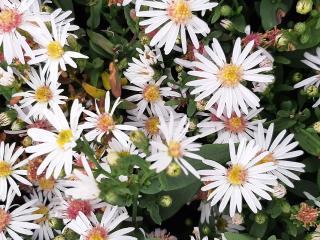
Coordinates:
[165,201]
[304,6]
[300,27]
[27,141]
[70,235]
[179,68]
[145,40]
[227,24]
[316,126]
[285,207]
[297,77]
[260,218]
[206,230]
[56,223]
[201,105]
[59,237]
[279,191]
[226,11]
[312,91]
[304,38]
[237,219]
[140,140]
[173,170]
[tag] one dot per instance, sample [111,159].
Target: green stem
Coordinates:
[135,210]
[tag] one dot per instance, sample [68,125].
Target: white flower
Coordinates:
[161,234]
[151,95]
[6,77]
[222,81]
[224,223]
[52,51]
[14,17]
[10,170]
[312,61]
[232,128]
[50,187]
[18,221]
[172,18]
[59,146]
[104,123]
[175,147]
[205,209]
[103,229]
[278,151]
[243,178]
[45,232]
[139,71]
[151,56]
[44,94]
[279,191]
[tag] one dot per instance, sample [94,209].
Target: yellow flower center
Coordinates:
[46,184]
[55,50]
[64,137]
[230,75]
[236,175]
[9,20]
[97,233]
[5,169]
[151,93]
[151,125]
[44,211]
[174,149]
[235,124]
[267,159]
[5,219]
[43,94]
[105,122]
[179,11]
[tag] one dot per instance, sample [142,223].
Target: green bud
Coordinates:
[145,40]
[111,197]
[227,24]
[59,237]
[314,13]
[201,105]
[173,170]
[70,235]
[285,206]
[6,118]
[226,11]
[27,141]
[56,223]
[179,68]
[193,124]
[300,27]
[206,230]
[165,201]
[282,41]
[260,218]
[304,6]
[123,64]
[72,42]
[312,91]
[18,124]
[140,140]
[304,38]
[297,77]
[316,126]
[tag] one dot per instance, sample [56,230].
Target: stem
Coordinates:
[135,210]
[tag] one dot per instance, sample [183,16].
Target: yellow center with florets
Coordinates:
[5,169]
[64,137]
[97,233]
[230,75]
[151,93]
[46,184]
[237,174]
[43,94]
[9,20]
[267,159]
[151,125]
[174,149]
[44,211]
[55,50]
[105,122]
[235,124]
[179,11]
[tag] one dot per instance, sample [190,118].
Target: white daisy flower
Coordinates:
[312,61]
[45,208]
[243,178]
[10,171]
[69,209]
[104,123]
[173,18]
[151,95]
[225,223]
[59,146]
[205,210]
[279,150]
[6,77]
[152,56]
[232,128]
[51,50]
[176,146]
[103,229]
[222,81]
[44,94]
[14,17]
[18,221]
[50,187]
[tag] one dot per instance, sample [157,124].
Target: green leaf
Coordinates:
[65,5]
[216,152]
[126,105]
[258,230]
[101,41]
[133,25]
[237,236]
[95,10]
[239,23]
[192,108]
[6,92]
[308,141]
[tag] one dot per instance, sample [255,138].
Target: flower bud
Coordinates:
[70,235]
[300,27]
[226,11]
[206,230]
[227,24]
[27,141]
[18,124]
[304,6]
[260,218]
[59,237]
[281,41]
[237,219]
[279,191]
[297,77]
[304,38]
[145,40]
[140,140]
[6,118]
[173,170]
[111,197]
[285,207]
[312,91]
[56,223]
[316,126]
[201,105]
[193,124]
[165,201]
[179,68]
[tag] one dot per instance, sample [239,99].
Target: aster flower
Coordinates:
[50,187]
[14,17]
[103,229]
[18,221]
[59,146]
[151,95]
[243,178]
[10,171]
[312,61]
[278,151]
[44,94]
[103,123]
[222,81]
[52,49]
[6,77]
[225,223]
[173,18]
[229,128]
[161,234]
[45,208]
[205,209]
[175,147]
